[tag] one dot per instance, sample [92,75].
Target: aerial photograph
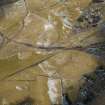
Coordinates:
[52,52]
